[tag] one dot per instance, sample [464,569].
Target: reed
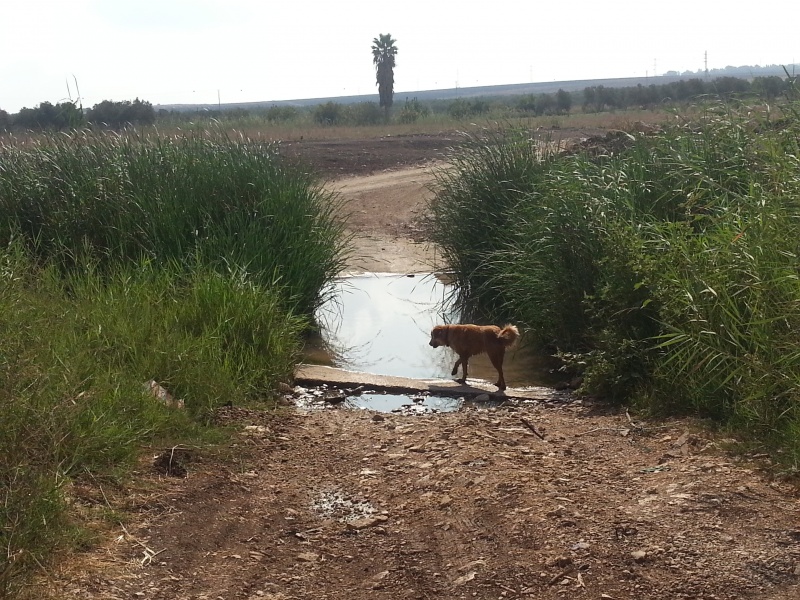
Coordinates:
[665,264]
[228,203]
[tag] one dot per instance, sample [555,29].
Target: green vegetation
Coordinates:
[663,266]
[229,204]
[193,262]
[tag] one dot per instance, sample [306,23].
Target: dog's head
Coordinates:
[439,336]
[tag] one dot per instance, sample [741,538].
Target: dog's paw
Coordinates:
[454,371]
[462,381]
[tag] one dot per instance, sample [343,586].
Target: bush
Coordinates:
[364,113]
[412,111]
[330,113]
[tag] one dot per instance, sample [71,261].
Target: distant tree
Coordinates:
[383,57]
[527,103]
[281,114]
[463,109]
[117,115]
[769,87]
[5,120]
[545,104]
[65,115]
[563,101]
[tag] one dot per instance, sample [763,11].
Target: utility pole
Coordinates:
[705,62]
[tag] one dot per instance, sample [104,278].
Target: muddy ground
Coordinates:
[353,505]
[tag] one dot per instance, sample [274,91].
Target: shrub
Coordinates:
[330,113]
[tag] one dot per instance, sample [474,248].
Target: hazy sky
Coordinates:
[189,51]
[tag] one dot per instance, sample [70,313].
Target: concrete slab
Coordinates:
[313,375]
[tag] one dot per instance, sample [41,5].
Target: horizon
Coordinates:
[170,52]
[616,82]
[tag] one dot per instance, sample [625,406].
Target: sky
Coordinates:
[205,51]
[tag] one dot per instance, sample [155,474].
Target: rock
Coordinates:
[153,388]
[377,418]
[560,386]
[561,562]
[581,546]
[367,522]
[482,398]
[334,397]
[445,501]
[465,578]
[308,557]
[639,555]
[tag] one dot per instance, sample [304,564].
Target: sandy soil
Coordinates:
[353,505]
[385,209]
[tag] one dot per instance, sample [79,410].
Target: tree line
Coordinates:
[70,115]
[117,115]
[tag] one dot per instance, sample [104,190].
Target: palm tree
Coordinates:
[383,53]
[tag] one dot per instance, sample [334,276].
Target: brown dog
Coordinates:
[469,340]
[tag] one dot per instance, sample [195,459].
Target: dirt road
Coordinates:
[353,505]
[384,212]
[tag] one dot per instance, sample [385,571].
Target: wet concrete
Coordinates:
[317,375]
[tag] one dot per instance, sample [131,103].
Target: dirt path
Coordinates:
[384,213]
[352,505]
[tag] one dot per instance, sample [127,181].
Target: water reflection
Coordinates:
[401,403]
[381,323]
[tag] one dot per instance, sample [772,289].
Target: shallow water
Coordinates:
[381,323]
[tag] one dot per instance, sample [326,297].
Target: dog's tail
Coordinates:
[509,334]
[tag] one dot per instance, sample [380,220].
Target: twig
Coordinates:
[506,588]
[580,580]
[561,575]
[149,554]
[531,427]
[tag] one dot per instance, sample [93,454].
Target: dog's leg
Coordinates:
[455,367]
[464,360]
[497,361]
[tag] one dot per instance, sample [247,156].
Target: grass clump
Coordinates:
[665,263]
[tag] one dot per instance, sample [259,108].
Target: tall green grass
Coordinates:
[667,263]
[76,352]
[196,262]
[227,203]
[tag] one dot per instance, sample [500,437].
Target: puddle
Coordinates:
[381,323]
[418,404]
[399,403]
